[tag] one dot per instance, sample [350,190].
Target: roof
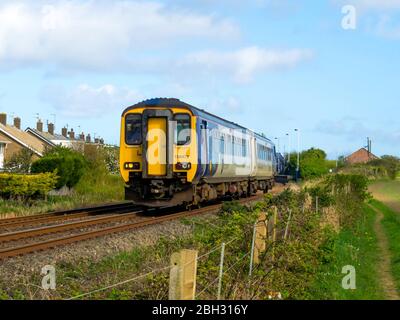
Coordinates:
[47,136]
[362,155]
[173,102]
[23,138]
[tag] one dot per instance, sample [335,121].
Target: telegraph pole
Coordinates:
[298,154]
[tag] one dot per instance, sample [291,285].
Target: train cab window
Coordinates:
[182,133]
[133,129]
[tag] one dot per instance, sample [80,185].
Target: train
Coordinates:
[172,153]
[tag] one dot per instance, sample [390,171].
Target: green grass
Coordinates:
[92,189]
[391,225]
[357,247]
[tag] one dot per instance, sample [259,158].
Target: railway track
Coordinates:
[86,235]
[65,215]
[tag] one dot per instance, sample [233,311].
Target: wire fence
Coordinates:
[211,288]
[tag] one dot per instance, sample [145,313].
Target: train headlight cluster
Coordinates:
[132,165]
[183,166]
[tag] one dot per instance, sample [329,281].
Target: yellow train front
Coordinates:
[172,153]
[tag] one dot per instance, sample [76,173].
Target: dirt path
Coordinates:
[384,269]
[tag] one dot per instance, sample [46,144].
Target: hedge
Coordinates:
[26,186]
[69,166]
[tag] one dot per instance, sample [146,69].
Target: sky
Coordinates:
[269,65]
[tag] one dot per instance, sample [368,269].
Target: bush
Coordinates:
[68,164]
[26,186]
[20,162]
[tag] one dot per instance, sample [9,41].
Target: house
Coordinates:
[13,140]
[362,155]
[66,139]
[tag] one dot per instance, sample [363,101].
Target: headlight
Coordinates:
[131,165]
[183,166]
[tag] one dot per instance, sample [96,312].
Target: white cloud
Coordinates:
[353,129]
[244,63]
[88,101]
[97,34]
[371,5]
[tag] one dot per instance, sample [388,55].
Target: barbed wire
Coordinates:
[217,278]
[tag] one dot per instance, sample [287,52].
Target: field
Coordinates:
[387,192]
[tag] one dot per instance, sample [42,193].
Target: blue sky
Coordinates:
[270,65]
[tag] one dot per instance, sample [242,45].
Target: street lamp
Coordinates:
[298,154]
[288,155]
[278,144]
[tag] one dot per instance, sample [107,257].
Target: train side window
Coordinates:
[222,145]
[133,129]
[182,133]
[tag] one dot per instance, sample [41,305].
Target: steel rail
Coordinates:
[60,214]
[10,236]
[28,248]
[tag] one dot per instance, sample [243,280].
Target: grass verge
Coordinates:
[356,246]
[391,226]
[92,189]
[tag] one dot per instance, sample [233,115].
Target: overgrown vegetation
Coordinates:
[385,167]
[391,225]
[356,246]
[69,165]
[24,187]
[90,177]
[299,267]
[20,162]
[313,164]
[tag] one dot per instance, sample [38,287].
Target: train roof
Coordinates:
[173,102]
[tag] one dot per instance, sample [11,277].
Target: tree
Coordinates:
[20,162]
[390,163]
[69,165]
[313,163]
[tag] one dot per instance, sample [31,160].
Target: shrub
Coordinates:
[26,186]
[68,164]
[20,162]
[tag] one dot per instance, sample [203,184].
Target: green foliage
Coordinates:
[15,186]
[20,162]
[390,164]
[356,246]
[68,164]
[391,225]
[313,163]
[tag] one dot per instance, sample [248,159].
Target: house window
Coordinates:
[2,147]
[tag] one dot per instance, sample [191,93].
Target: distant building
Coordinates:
[360,156]
[66,139]
[13,140]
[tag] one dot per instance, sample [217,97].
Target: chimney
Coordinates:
[39,126]
[82,136]
[64,132]
[17,123]
[88,138]
[50,128]
[72,134]
[3,118]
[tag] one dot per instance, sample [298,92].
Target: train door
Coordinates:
[204,149]
[157,146]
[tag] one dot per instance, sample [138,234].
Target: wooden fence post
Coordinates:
[182,277]
[275,223]
[287,225]
[260,237]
